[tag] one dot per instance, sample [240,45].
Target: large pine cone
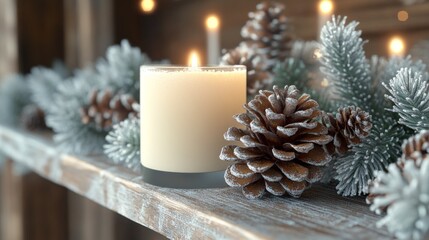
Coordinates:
[257,78]
[350,125]
[267,32]
[283,144]
[105,109]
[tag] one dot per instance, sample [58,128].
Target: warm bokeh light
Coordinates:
[326,6]
[396,46]
[147,6]
[324,82]
[317,53]
[194,59]
[212,22]
[402,16]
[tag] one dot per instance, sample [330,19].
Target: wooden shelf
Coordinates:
[194,214]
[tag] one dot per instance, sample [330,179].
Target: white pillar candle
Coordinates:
[326,9]
[213,40]
[184,114]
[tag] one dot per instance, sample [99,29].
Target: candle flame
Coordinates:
[147,6]
[194,59]
[212,22]
[396,46]
[326,6]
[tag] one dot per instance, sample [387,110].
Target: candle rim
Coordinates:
[161,68]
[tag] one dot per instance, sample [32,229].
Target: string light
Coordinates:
[148,6]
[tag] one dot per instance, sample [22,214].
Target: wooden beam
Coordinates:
[8,38]
[221,213]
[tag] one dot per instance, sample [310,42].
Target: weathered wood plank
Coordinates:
[198,213]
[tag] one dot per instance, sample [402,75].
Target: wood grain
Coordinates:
[8,38]
[198,213]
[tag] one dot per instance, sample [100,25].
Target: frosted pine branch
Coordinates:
[376,152]
[344,63]
[43,84]
[405,194]
[123,144]
[409,92]
[14,96]
[64,117]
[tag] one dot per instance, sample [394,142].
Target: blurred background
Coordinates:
[78,32]
[35,32]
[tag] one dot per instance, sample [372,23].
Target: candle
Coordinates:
[185,112]
[326,8]
[213,42]
[396,47]
[147,6]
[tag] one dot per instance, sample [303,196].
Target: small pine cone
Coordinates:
[415,148]
[283,144]
[257,78]
[33,118]
[268,32]
[350,125]
[105,110]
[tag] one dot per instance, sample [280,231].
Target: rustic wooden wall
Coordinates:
[8,38]
[40,32]
[177,26]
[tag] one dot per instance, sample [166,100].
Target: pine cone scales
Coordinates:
[33,118]
[416,147]
[348,126]
[267,31]
[283,144]
[105,110]
[257,78]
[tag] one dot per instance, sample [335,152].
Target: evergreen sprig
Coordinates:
[403,192]
[344,63]
[64,117]
[409,92]
[356,81]
[123,144]
[120,69]
[14,96]
[43,84]
[118,72]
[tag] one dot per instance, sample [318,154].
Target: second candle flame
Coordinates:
[194,59]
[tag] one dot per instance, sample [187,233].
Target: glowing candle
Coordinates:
[147,6]
[396,47]
[326,9]
[213,40]
[184,114]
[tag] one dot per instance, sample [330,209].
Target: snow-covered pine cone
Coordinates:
[415,148]
[268,33]
[348,126]
[257,77]
[283,144]
[105,109]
